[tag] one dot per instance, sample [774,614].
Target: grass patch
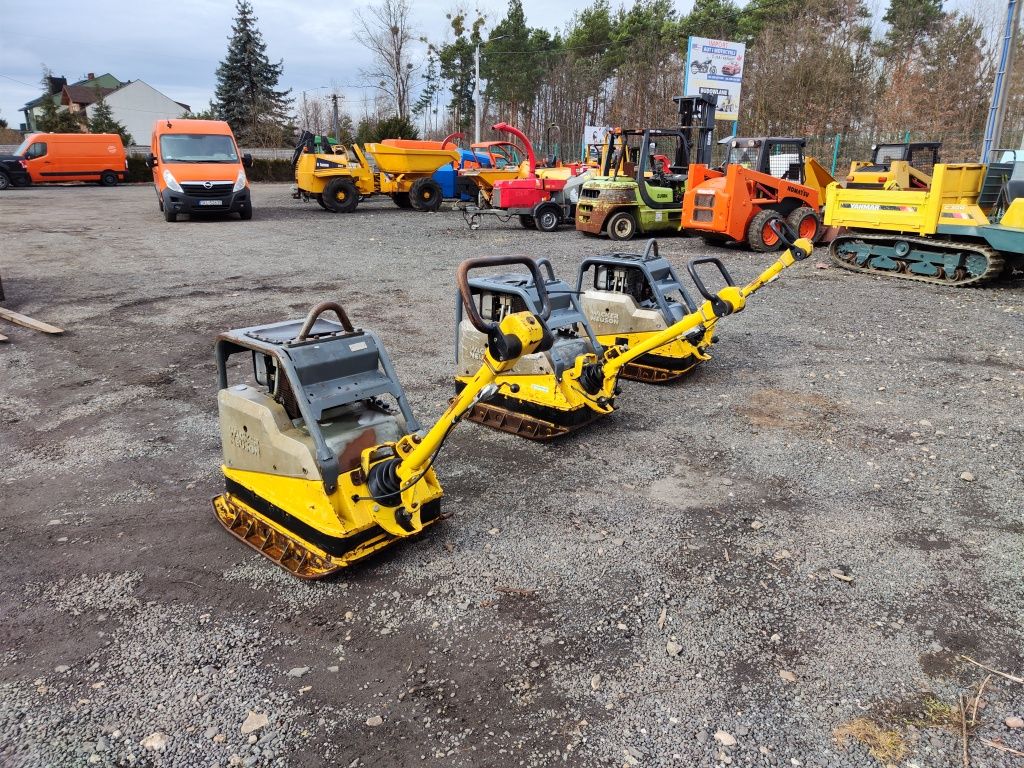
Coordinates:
[885,745]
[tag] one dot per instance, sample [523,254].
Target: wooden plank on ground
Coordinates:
[28,322]
[2,338]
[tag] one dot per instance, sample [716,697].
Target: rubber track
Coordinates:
[994,270]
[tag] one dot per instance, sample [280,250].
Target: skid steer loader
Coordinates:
[320,468]
[572,382]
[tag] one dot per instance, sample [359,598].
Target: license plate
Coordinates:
[211,202]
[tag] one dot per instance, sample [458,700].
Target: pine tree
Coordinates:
[102,120]
[54,119]
[247,96]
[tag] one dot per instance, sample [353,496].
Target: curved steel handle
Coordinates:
[319,309]
[545,263]
[652,245]
[692,269]
[462,276]
[788,237]
[451,138]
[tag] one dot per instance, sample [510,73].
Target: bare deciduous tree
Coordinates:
[385,29]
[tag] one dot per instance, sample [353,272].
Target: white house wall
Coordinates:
[137,106]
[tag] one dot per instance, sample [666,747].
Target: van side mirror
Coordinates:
[247,160]
[151,161]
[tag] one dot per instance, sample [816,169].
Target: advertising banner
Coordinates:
[715,66]
[593,139]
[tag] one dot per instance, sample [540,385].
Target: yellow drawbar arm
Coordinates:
[728,301]
[397,483]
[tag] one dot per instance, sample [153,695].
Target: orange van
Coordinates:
[197,169]
[53,157]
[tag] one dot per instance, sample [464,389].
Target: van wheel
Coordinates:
[245,213]
[170,215]
[5,181]
[108,179]
[621,226]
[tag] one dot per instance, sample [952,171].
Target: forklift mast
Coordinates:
[697,121]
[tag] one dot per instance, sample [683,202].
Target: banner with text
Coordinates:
[715,66]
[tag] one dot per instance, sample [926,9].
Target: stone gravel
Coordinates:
[812,530]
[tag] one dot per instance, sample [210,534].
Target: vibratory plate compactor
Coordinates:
[320,469]
[574,381]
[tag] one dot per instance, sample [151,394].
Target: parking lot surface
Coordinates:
[781,560]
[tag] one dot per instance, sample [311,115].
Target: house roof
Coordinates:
[84,94]
[58,84]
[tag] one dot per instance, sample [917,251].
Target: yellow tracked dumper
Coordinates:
[966,228]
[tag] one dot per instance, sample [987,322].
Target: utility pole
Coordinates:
[334,110]
[305,112]
[997,107]
[476,95]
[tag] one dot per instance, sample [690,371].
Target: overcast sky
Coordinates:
[176,46]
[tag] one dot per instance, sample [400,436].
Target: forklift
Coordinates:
[764,180]
[643,175]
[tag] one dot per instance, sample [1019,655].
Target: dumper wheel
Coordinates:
[805,222]
[402,200]
[621,226]
[547,216]
[425,194]
[341,196]
[759,233]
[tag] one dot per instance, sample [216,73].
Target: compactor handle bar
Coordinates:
[545,263]
[497,261]
[651,251]
[788,237]
[319,309]
[692,269]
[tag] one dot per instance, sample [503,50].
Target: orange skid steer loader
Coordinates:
[763,180]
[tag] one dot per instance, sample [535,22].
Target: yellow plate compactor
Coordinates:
[574,381]
[320,467]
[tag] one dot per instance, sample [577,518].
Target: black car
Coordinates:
[13,172]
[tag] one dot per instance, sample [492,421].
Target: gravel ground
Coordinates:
[795,544]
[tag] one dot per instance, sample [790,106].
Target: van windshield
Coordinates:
[23,147]
[197,148]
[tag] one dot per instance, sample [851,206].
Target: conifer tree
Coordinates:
[247,96]
[102,120]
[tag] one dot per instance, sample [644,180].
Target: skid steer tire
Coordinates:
[760,236]
[425,195]
[805,222]
[402,200]
[621,226]
[341,196]
[320,201]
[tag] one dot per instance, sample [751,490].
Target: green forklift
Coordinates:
[639,190]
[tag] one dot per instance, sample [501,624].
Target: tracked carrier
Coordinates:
[966,229]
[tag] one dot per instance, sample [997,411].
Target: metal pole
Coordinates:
[305,112]
[997,107]
[476,97]
[835,153]
[334,100]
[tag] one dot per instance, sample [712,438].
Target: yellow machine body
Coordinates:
[547,398]
[315,499]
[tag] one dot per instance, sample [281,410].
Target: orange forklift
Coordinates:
[763,180]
